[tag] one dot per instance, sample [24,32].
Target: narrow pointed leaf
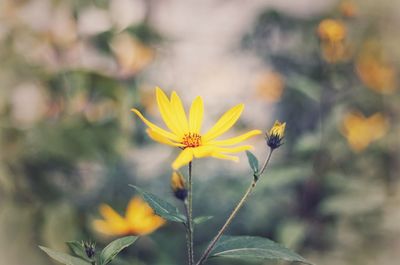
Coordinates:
[64,258]
[253,161]
[256,248]
[115,247]
[161,207]
[77,248]
[201,219]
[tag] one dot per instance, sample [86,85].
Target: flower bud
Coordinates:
[178,186]
[275,135]
[90,248]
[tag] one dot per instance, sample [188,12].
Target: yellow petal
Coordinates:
[237,139]
[196,115]
[161,139]
[109,214]
[155,127]
[167,113]
[105,228]
[203,151]
[378,125]
[233,150]
[224,123]
[137,209]
[179,112]
[141,217]
[183,158]
[113,224]
[226,157]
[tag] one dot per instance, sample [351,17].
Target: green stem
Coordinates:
[190,216]
[235,210]
[188,234]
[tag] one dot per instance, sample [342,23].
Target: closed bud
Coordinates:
[276,135]
[90,248]
[178,186]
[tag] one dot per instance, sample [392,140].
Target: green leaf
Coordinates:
[201,219]
[78,249]
[249,247]
[64,258]
[253,161]
[115,247]
[161,207]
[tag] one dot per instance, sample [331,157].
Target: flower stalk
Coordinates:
[235,210]
[189,215]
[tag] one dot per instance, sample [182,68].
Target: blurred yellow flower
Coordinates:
[276,134]
[360,131]
[139,219]
[185,133]
[132,55]
[331,30]
[377,74]
[270,86]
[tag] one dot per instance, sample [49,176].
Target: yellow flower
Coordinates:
[178,186]
[139,219]
[270,86]
[186,133]
[361,131]
[331,30]
[377,73]
[276,134]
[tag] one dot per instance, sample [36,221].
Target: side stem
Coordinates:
[235,210]
[189,208]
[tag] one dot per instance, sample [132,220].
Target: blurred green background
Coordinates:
[71,70]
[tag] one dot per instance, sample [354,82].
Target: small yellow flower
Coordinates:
[331,30]
[186,133]
[361,131]
[270,86]
[276,134]
[139,219]
[178,186]
[377,73]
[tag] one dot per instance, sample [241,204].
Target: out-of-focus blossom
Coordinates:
[332,34]
[360,131]
[28,104]
[92,21]
[331,30]
[63,28]
[186,133]
[348,8]
[139,219]
[124,13]
[131,54]
[375,70]
[270,86]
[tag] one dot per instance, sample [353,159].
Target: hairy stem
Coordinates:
[235,210]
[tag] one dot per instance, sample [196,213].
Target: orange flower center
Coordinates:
[191,140]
